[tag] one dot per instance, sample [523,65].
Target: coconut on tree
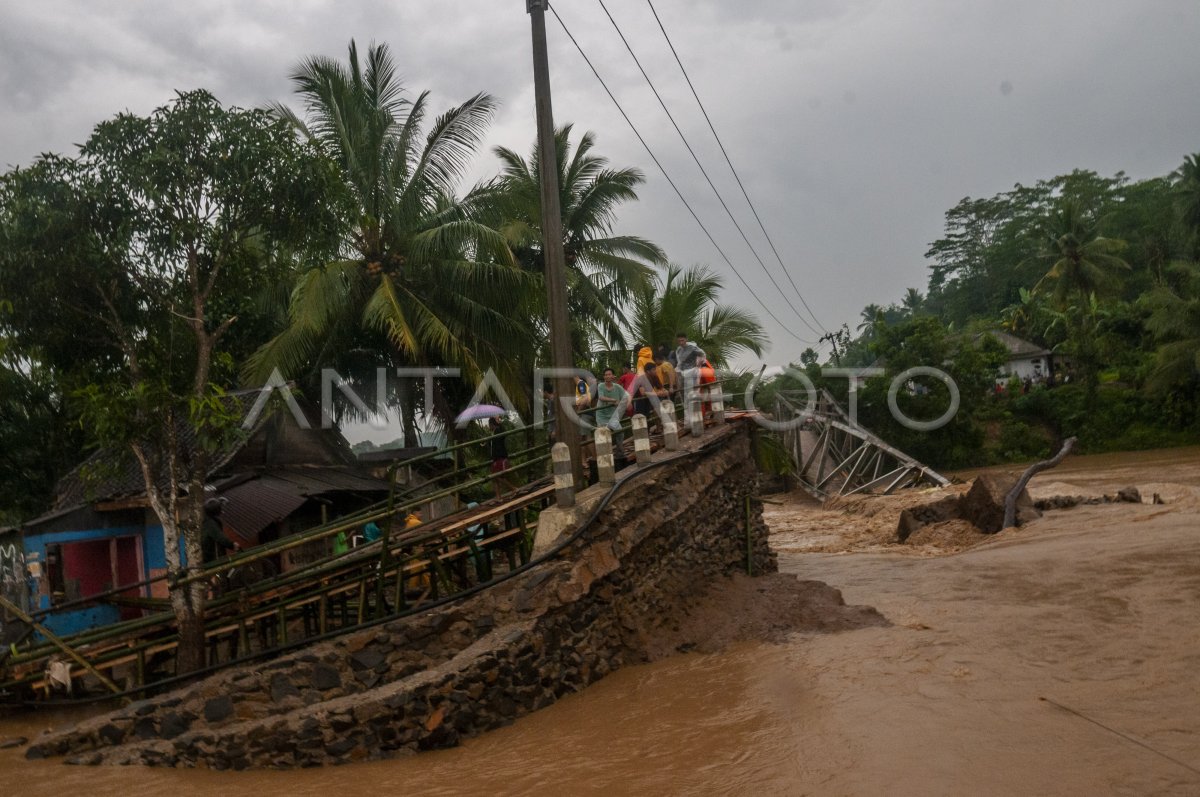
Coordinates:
[421,278]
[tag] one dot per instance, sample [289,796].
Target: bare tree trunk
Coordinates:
[190,656]
[1010,502]
[182,519]
[408,413]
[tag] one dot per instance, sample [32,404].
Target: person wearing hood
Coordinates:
[645,356]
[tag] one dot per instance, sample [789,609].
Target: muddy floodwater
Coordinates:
[1060,658]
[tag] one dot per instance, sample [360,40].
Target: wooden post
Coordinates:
[641,439]
[604,456]
[564,482]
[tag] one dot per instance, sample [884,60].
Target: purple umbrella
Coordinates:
[479,411]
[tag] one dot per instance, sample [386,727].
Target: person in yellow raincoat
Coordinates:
[420,581]
[645,355]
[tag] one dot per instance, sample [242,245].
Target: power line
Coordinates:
[736,177]
[704,172]
[678,193]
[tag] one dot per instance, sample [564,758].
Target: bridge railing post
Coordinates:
[641,439]
[716,398]
[605,466]
[669,426]
[564,481]
[693,416]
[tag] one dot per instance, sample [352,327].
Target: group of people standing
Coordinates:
[656,374]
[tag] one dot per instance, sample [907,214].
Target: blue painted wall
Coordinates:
[74,621]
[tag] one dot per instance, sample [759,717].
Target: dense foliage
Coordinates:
[181,255]
[1101,271]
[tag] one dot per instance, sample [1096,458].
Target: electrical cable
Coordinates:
[675,187]
[728,161]
[1124,736]
[704,171]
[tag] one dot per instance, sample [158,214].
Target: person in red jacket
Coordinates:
[708,375]
[626,379]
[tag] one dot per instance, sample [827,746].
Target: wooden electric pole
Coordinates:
[552,240]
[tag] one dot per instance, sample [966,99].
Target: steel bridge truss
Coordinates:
[834,457]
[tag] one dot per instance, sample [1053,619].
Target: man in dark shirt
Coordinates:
[213,541]
[499,448]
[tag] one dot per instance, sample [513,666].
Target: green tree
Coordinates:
[1081,261]
[871,314]
[912,303]
[971,361]
[1082,265]
[420,279]
[160,228]
[688,300]
[1174,321]
[37,435]
[604,269]
[1186,190]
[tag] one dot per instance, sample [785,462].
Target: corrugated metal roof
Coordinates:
[253,505]
[316,481]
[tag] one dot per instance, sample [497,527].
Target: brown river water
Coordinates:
[1060,658]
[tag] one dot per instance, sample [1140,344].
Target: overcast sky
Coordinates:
[855,124]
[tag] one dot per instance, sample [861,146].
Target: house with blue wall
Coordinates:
[286,474]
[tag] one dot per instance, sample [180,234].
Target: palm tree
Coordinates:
[603,269]
[912,302]
[1081,261]
[1186,187]
[1082,265]
[419,278]
[688,300]
[1174,321]
[871,315]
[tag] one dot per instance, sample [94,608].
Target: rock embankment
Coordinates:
[432,679]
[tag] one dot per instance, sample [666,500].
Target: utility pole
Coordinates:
[552,241]
[829,336]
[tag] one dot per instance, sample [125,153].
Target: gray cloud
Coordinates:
[854,125]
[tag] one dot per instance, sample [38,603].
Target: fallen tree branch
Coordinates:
[1010,502]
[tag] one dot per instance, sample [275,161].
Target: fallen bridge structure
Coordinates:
[834,456]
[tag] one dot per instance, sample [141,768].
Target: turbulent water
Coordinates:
[1091,608]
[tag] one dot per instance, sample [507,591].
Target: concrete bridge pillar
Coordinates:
[641,440]
[693,415]
[604,455]
[716,399]
[564,481]
[670,428]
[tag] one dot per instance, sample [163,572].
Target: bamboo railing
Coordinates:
[406,570]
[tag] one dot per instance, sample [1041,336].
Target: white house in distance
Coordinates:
[1025,360]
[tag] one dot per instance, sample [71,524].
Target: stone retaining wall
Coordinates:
[429,680]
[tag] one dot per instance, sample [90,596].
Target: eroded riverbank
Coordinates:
[1092,607]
